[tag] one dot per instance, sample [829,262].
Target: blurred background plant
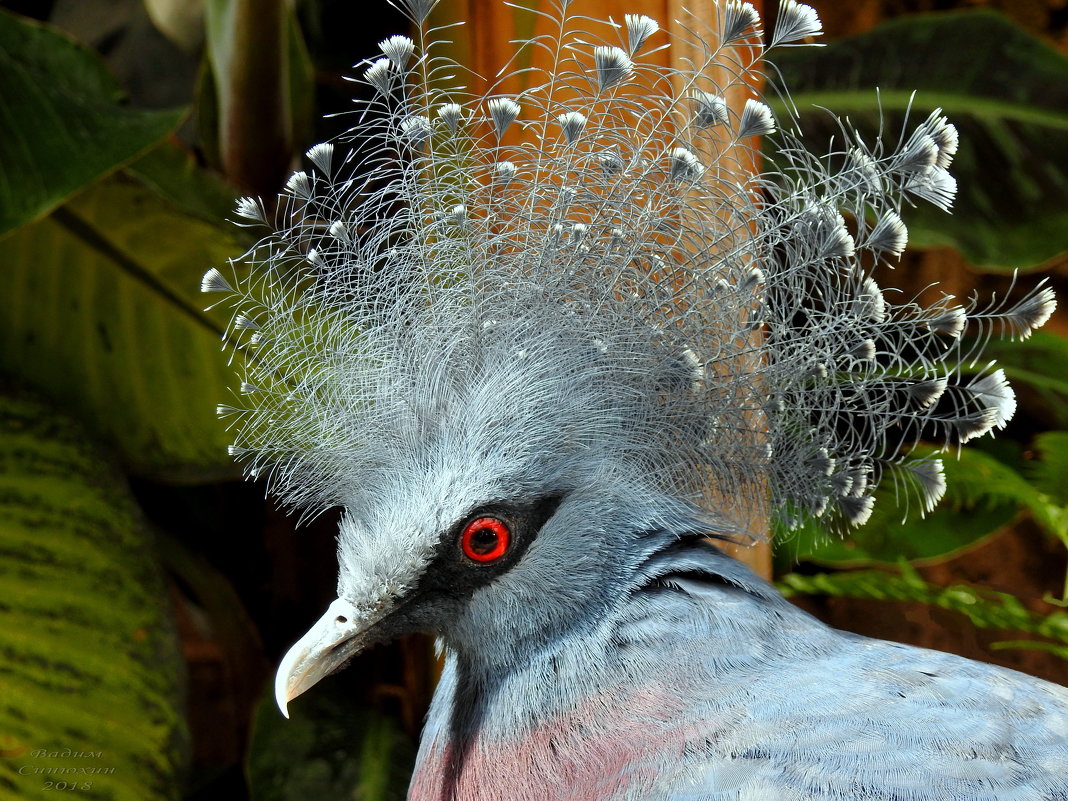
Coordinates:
[147,592]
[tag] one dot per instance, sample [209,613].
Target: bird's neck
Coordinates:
[587,752]
[573,715]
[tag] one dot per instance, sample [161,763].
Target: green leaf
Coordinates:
[301,81]
[329,749]
[62,122]
[1005,90]
[91,673]
[982,496]
[181,21]
[1038,365]
[174,176]
[1050,472]
[103,312]
[985,608]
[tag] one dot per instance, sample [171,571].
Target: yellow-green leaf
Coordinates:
[102,311]
[91,674]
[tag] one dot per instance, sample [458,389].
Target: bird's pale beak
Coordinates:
[334,639]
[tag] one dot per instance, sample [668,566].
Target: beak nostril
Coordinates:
[342,619]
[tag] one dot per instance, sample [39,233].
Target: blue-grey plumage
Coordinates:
[539,376]
[625,657]
[703,683]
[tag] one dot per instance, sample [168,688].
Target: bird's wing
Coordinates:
[885,721]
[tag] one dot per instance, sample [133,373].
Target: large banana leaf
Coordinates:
[1006,91]
[62,122]
[91,674]
[102,310]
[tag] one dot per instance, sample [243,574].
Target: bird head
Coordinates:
[501,481]
[523,367]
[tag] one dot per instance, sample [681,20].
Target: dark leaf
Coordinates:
[985,608]
[62,121]
[92,671]
[102,310]
[1004,89]
[331,748]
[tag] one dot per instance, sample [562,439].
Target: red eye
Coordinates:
[485,539]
